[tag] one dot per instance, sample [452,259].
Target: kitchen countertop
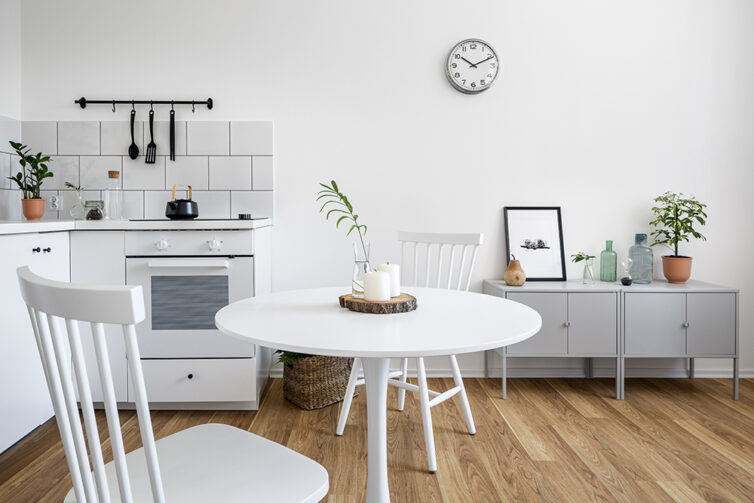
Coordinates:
[23,227]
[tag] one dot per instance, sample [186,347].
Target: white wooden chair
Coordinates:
[454,256]
[211,462]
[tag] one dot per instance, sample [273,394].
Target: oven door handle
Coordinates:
[201,263]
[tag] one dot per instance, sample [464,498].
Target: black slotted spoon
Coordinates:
[151,155]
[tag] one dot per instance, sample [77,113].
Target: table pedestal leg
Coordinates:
[376,372]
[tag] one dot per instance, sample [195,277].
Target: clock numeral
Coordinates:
[493,65]
[463,81]
[473,84]
[483,48]
[456,75]
[454,65]
[457,56]
[489,75]
[473,46]
[463,48]
[483,82]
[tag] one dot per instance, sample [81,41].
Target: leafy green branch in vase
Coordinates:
[343,209]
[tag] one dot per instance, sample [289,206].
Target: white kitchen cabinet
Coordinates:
[97,258]
[24,396]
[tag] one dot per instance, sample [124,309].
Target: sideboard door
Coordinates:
[552,339]
[593,323]
[654,324]
[712,323]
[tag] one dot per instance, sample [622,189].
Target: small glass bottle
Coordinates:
[608,263]
[94,210]
[641,260]
[78,212]
[113,197]
[360,268]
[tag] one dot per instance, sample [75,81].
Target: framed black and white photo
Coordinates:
[534,235]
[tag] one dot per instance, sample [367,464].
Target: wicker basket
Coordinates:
[316,381]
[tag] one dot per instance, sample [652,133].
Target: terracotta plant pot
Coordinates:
[676,269]
[33,209]
[514,275]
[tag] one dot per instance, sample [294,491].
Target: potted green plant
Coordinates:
[33,172]
[676,216]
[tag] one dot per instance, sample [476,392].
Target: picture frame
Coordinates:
[536,235]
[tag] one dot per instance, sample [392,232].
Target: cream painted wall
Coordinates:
[599,107]
[10,60]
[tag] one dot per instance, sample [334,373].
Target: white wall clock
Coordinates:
[472,66]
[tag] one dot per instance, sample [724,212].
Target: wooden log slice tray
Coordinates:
[401,304]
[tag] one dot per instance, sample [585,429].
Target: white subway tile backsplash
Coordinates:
[133,204]
[78,138]
[5,171]
[258,203]
[10,130]
[263,174]
[251,138]
[230,173]
[193,170]
[94,170]
[140,176]
[213,203]
[40,136]
[162,137]
[65,168]
[207,138]
[115,137]
[155,202]
[10,205]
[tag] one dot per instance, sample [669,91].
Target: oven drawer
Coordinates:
[157,243]
[212,380]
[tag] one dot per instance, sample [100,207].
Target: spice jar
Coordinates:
[94,210]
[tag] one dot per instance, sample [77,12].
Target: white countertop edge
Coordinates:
[657,285]
[24,227]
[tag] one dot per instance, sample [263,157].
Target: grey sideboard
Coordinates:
[608,320]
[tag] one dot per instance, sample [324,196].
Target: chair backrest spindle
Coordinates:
[457,277]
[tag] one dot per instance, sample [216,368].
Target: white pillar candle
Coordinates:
[394,270]
[377,286]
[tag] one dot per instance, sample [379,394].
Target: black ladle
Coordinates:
[133,150]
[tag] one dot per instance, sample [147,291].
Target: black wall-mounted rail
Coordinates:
[83,102]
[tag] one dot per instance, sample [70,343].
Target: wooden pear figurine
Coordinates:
[514,275]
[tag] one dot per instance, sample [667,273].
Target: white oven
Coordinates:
[187,277]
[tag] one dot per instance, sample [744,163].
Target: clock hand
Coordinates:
[479,63]
[469,62]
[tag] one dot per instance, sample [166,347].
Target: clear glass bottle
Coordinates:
[78,212]
[641,260]
[113,197]
[588,278]
[94,209]
[608,263]
[360,268]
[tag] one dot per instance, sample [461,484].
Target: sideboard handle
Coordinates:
[567,324]
[686,324]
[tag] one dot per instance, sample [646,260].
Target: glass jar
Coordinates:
[641,256]
[588,278]
[94,210]
[608,263]
[77,209]
[360,268]
[113,197]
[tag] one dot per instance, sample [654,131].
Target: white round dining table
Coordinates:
[446,322]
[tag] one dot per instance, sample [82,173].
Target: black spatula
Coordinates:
[151,155]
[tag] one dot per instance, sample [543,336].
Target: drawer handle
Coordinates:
[36,250]
[47,250]
[190,376]
[686,324]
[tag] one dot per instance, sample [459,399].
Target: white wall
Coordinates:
[599,107]
[10,59]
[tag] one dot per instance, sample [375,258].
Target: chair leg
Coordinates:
[429,438]
[402,391]
[346,407]
[464,399]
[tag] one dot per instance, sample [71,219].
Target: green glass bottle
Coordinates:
[608,263]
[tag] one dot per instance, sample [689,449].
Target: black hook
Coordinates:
[172,106]
[193,107]
[113,106]
[133,105]
[151,105]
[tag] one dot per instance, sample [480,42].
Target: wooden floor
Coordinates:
[552,440]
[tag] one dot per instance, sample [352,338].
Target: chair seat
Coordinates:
[221,463]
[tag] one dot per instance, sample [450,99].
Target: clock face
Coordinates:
[472,66]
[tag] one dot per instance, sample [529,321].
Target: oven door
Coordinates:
[181,297]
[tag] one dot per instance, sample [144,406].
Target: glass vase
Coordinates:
[641,260]
[360,268]
[588,271]
[608,263]
[77,209]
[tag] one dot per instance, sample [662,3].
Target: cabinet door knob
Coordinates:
[36,250]
[567,324]
[190,376]
[686,324]
[47,250]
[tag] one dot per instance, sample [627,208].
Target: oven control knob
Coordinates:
[162,245]
[214,244]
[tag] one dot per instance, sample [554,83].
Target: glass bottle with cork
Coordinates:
[113,197]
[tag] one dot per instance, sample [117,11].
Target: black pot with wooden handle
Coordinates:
[182,209]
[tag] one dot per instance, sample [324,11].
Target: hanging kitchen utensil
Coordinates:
[172,133]
[151,156]
[133,150]
[182,209]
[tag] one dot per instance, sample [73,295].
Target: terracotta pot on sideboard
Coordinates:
[676,269]
[514,275]
[33,209]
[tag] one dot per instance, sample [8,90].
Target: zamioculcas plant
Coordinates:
[676,219]
[33,172]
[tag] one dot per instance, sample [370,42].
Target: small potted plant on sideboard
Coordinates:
[675,218]
[29,180]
